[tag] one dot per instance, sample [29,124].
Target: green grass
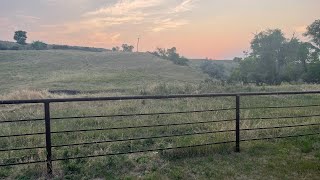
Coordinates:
[143,74]
[78,70]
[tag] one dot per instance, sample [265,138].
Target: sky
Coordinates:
[216,29]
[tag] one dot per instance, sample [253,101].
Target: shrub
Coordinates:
[15,47]
[3,47]
[38,45]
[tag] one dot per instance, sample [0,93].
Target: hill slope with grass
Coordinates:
[88,71]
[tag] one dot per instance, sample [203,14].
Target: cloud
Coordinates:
[106,26]
[28,18]
[155,14]
[115,37]
[186,5]
[168,24]
[125,7]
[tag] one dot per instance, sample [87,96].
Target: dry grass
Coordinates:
[140,164]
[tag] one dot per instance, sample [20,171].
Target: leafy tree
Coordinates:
[3,47]
[161,52]
[237,59]
[116,49]
[20,37]
[127,48]
[267,47]
[313,31]
[214,70]
[38,45]
[172,55]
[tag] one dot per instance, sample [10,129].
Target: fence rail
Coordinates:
[49,147]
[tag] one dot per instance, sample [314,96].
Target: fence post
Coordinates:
[237,123]
[48,138]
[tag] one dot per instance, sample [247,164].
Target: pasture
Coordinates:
[31,74]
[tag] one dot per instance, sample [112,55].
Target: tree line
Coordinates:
[274,59]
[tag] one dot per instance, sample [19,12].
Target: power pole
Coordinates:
[138,44]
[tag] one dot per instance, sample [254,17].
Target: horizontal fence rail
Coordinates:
[235,111]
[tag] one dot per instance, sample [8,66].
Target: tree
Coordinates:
[20,37]
[38,45]
[172,55]
[237,59]
[267,47]
[116,49]
[214,70]
[127,48]
[313,31]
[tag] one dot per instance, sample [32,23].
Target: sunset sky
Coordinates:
[217,29]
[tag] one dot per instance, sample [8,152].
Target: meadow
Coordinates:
[34,74]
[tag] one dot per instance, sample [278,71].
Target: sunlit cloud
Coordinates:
[168,24]
[125,7]
[186,5]
[115,37]
[27,18]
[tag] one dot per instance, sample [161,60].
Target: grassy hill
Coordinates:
[88,71]
[128,73]
[8,45]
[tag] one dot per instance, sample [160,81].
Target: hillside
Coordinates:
[88,71]
[8,45]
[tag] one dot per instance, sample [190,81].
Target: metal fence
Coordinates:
[237,119]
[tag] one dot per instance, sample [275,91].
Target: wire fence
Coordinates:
[49,147]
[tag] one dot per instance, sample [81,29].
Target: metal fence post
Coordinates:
[237,123]
[48,138]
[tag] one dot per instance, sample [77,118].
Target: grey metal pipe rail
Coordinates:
[237,120]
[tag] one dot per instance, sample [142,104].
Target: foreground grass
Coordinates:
[281,159]
[295,158]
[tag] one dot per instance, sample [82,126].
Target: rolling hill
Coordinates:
[88,71]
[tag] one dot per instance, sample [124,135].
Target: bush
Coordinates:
[216,71]
[15,47]
[3,47]
[38,45]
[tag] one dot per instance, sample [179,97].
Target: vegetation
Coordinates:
[38,45]
[116,49]
[88,71]
[172,55]
[275,59]
[216,71]
[258,159]
[20,37]
[127,48]
[313,31]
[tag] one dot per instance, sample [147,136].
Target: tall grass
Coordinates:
[149,161]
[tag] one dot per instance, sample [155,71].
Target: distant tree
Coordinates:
[237,59]
[214,70]
[162,52]
[313,31]
[116,49]
[3,47]
[127,48]
[172,55]
[20,37]
[38,45]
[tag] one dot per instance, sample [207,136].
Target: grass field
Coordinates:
[87,71]
[30,74]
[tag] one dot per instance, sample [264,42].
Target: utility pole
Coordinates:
[138,44]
